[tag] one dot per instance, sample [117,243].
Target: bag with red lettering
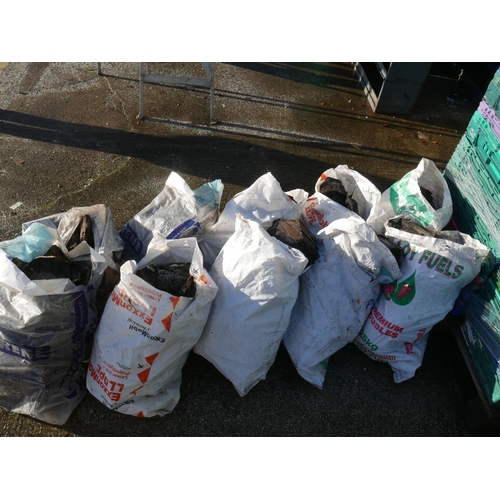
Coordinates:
[362,194]
[145,333]
[337,292]
[318,211]
[434,270]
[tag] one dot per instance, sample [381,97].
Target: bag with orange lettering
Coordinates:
[434,270]
[146,333]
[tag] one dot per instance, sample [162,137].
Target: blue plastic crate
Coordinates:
[460,203]
[488,140]
[465,224]
[456,160]
[457,196]
[472,131]
[489,184]
[495,163]
[487,173]
[459,153]
[462,147]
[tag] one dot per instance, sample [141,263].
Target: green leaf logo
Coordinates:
[401,293]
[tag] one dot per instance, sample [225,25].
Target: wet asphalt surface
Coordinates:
[69,137]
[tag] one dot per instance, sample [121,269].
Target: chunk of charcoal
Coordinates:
[174,279]
[296,234]
[47,268]
[55,265]
[177,278]
[394,249]
[110,279]
[148,274]
[80,272]
[55,251]
[83,232]
[352,205]
[428,196]
[334,189]
[18,262]
[410,226]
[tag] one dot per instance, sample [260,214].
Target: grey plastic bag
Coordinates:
[44,325]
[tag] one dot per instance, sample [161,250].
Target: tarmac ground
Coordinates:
[70,137]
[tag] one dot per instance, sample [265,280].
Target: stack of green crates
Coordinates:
[492,96]
[473,175]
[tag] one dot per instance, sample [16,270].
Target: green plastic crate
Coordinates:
[492,95]
[466,161]
[487,369]
[481,135]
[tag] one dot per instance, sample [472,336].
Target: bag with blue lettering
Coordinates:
[422,194]
[176,212]
[44,328]
[435,266]
[146,333]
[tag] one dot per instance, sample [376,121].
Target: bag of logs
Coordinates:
[435,266]
[422,195]
[94,225]
[47,313]
[350,189]
[263,202]
[257,273]
[152,320]
[338,291]
[176,212]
